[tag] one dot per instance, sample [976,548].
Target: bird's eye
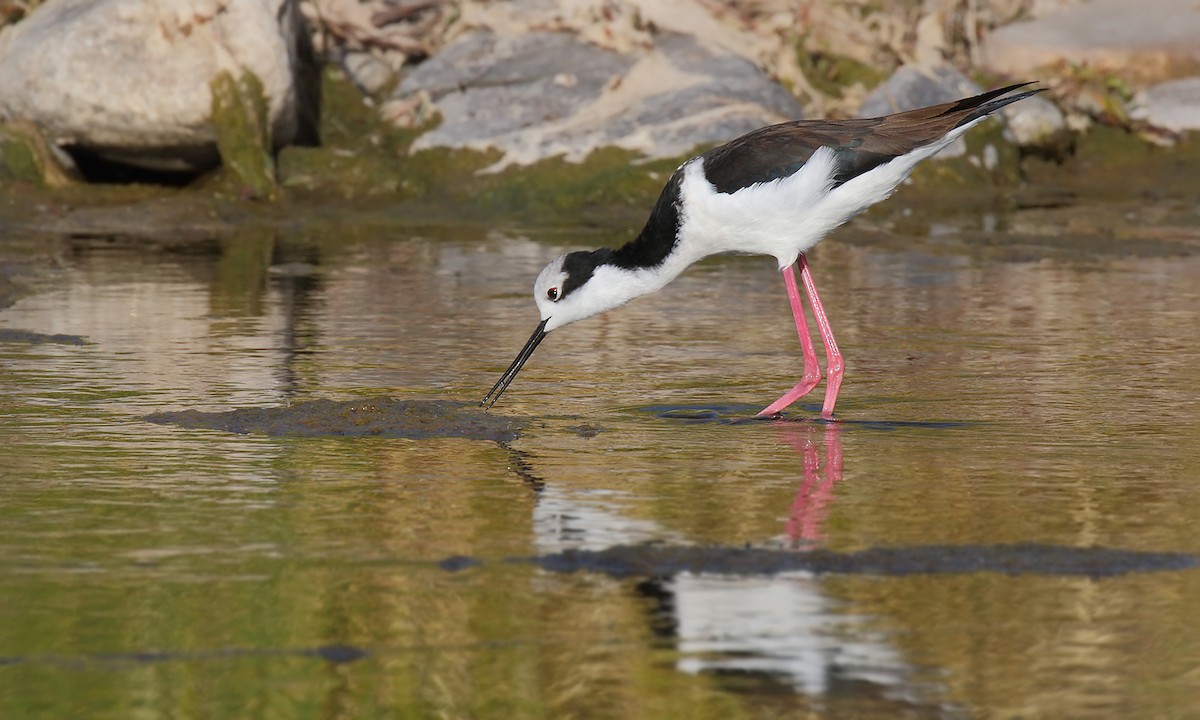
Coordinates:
[552,293]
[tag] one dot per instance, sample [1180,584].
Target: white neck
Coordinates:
[611,286]
[623,285]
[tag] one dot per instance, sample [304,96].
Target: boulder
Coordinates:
[1173,105]
[536,95]
[1037,125]
[1033,124]
[1144,41]
[128,81]
[911,87]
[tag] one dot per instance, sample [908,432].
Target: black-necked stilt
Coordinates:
[775,191]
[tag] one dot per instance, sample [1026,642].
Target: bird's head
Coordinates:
[572,287]
[578,285]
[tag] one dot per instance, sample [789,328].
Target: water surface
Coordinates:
[1018,385]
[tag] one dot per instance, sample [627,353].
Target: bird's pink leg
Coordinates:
[834,365]
[812,371]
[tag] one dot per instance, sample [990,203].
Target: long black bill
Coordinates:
[511,373]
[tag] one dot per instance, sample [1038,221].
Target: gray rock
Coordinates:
[539,95]
[129,79]
[1174,105]
[487,85]
[911,87]
[1037,124]
[1148,40]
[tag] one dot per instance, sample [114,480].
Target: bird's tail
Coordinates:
[973,108]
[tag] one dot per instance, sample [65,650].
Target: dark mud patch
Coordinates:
[335,654]
[587,430]
[1022,559]
[33,338]
[381,417]
[747,415]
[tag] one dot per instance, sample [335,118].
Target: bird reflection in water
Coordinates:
[810,507]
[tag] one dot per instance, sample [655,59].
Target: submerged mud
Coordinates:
[336,654]
[9,335]
[380,416]
[1020,559]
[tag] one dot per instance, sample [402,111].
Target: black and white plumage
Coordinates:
[775,191]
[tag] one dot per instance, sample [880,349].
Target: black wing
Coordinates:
[859,145]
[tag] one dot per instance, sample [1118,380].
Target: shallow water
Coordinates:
[1018,389]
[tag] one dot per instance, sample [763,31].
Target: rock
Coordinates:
[911,87]
[1173,105]
[1036,124]
[538,95]
[369,72]
[1033,124]
[128,80]
[1143,41]
[239,118]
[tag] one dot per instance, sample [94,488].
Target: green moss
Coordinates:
[350,121]
[20,161]
[27,157]
[990,162]
[1111,163]
[360,154]
[367,160]
[1115,147]
[830,73]
[610,179]
[240,118]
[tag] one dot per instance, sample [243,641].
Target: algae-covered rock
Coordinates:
[26,156]
[127,81]
[239,117]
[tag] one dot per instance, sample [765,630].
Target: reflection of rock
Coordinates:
[129,80]
[539,95]
[1147,40]
[1174,105]
[786,627]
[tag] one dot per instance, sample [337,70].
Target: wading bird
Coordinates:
[775,191]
